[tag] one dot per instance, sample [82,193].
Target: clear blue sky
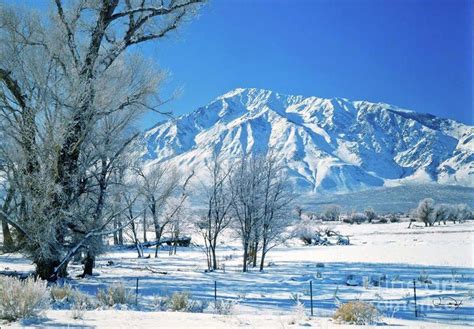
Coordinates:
[416,54]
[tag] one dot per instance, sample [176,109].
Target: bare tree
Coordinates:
[218,201]
[276,203]
[61,80]
[261,201]
[159,186]
[246,190]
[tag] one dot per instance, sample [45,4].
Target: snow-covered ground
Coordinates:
[441,255]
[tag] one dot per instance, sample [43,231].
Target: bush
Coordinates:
[224,307]
[332,213]
[394,218]
[81,302]
[61,293]
[347,220]
[179,301]
[305,230]
[22,299]
[357,312]
[116,294]
[299,313]
[359,218]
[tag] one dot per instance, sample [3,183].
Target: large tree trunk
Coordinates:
[8,244]
[89,262]
[262,260]
[264,253]
[45,269]
[246,252]
[254,255]
[144,226]
[214,258]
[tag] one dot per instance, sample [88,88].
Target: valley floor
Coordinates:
[381,263]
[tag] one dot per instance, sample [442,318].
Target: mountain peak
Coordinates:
[327,145]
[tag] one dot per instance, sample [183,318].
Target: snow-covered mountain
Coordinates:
[328,145]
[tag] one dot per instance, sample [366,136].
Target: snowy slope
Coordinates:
[328,145]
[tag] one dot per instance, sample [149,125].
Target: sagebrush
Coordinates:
[115,294]
[357,312]
[21,299]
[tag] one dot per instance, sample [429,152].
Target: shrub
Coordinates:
[358,218]
[159,303]
[81,302]
[383,220]
[394,218]
[357,312]
[116,294]
[299,313]
[305,230]
[197,306]
[179,301]
[348,220]
[22,299]
[332,213]
[224,307]
[61,293]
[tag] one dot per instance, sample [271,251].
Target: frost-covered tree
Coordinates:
[357,217]
[218,201]
[261,198]
[276,202]
[332,213]
[370,214]
[164,193]
[463,212]
[63,77]
[246,189]
[439,214]
[425,211]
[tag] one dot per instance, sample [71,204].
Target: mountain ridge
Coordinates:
[328,145]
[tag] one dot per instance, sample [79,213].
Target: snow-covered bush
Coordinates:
[299,313]
[332,213]
[224,307]
[393,218]
[348,220]
[305,230]
[159,303]
[61,293]
[197,306]
[22,299]
[425,211]
[370,214]
[358,217]
[357,312]
[116,294]
[80,304]
[179,301]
